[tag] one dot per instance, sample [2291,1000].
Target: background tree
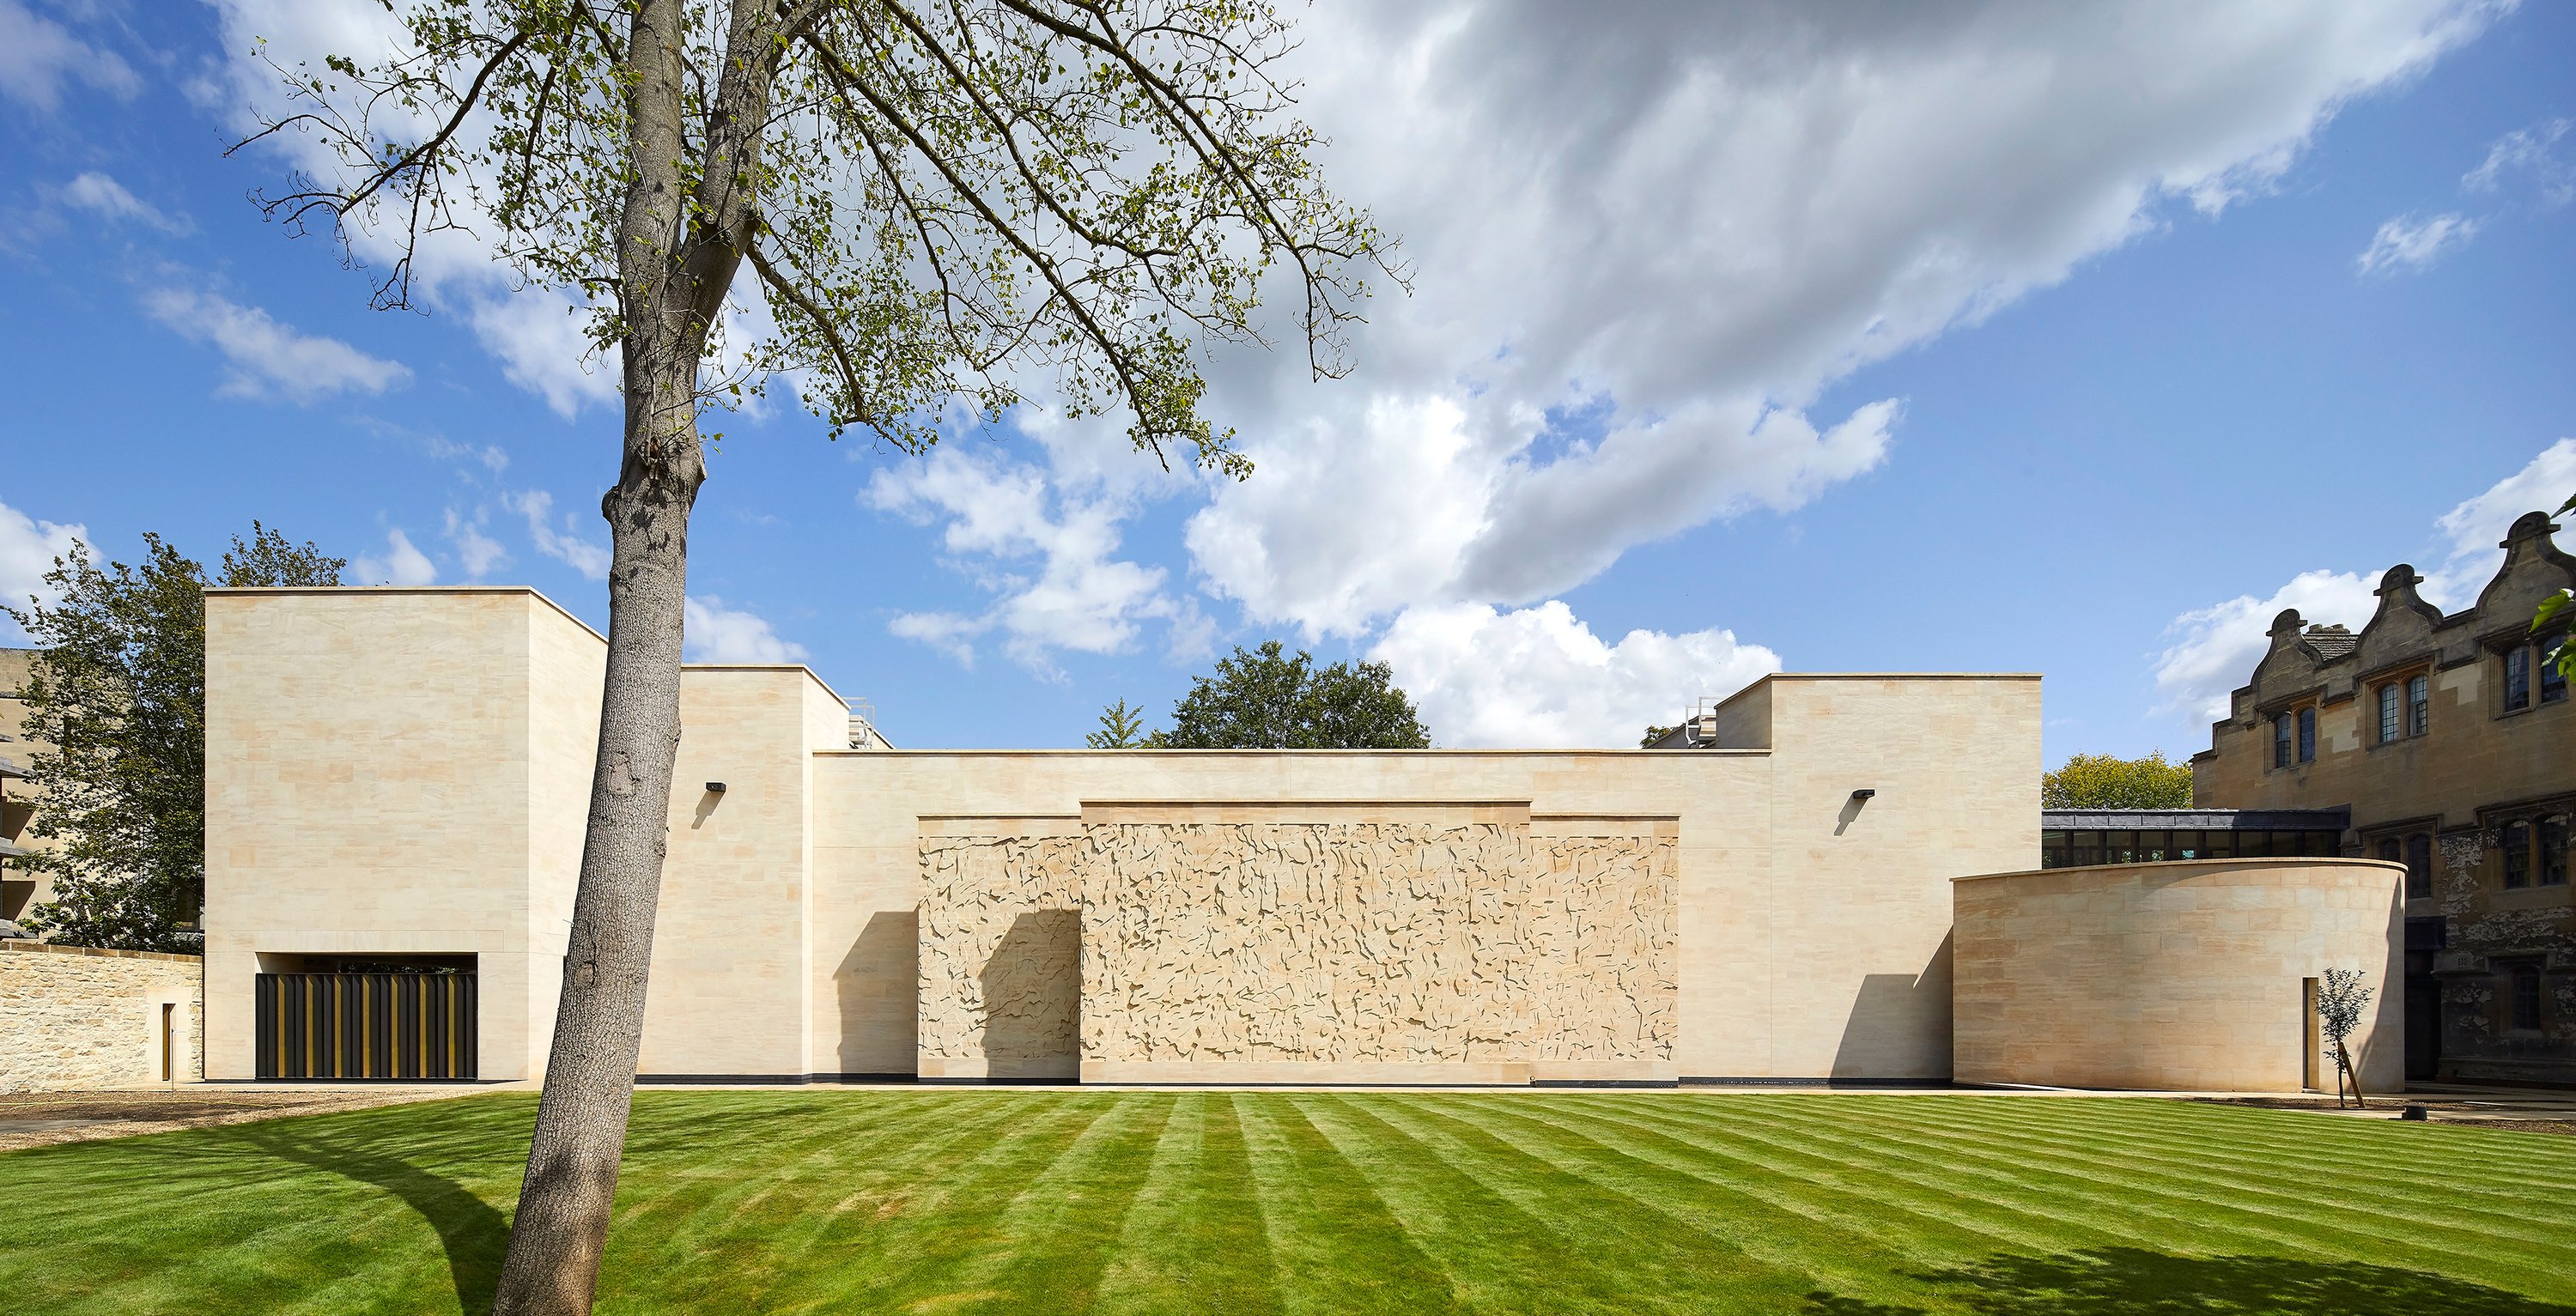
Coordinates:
[2103,781]
[2340,1001]
[116,703]
[1653,734]
[1265,699]
[1121,727]
[932,198]
[2559,610]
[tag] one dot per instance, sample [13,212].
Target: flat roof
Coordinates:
[2158,820]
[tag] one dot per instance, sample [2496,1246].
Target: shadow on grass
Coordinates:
[474,1234]
[2123,1281]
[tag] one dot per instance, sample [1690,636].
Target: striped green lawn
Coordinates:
[993,1201]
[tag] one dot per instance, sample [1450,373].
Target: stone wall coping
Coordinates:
[49,948]
[1386,802]
[2169,865]
[345,591]
[1245,753]
[530,591]
[1896,676]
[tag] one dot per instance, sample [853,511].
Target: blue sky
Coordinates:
[2071,343]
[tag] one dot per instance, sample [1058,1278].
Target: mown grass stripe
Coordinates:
[2132,1206]
[2296,1141]
[1489,1249]
[1334,1241]
[1774,1216]
[1060,1234]
[2351,1195]
[1723,1232]
[1194,1240]
[759,1201]
[1307,1203]
[674,1225]
[1868,1192]
[2190,1161]
[2293,1219]
[879,1166]
[1552,1226]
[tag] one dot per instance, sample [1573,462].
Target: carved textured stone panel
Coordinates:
[1375,941]
[1001,943]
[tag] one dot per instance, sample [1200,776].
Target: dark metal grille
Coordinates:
[366,1025]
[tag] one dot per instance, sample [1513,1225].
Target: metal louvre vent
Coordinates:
[366,1025]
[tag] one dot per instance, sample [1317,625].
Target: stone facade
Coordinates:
[2472,787]
[1460,943]
[20,888]
[399,774]
[2182,975]
[76,1019]
[1001,950]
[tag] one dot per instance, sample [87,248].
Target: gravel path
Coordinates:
[39,1119]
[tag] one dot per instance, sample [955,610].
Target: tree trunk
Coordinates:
[2343,1062]
[561,1226]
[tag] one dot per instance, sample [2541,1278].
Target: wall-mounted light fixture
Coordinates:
[1864,793]
[715,788]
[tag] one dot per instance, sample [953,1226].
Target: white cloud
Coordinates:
[268,358]
[108,199]
[2410,243]
[402,564]
[2528,151]
[28,548]
[2476,527]
[480,553]
[2214,649]
[1046,555]
[1539,677]
[588,558]
[537,341]
[1674,229]
[40,57]
[540,343]
[947,632]
[2219,645]
[718,634]
[1644,247]
[489,456]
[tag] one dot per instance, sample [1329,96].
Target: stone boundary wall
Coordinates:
[75,1018]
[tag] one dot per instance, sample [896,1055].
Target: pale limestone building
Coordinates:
[396,783]
[21,888]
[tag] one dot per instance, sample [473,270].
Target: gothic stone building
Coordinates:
[2455,751]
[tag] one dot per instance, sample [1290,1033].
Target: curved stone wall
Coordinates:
[2184,976]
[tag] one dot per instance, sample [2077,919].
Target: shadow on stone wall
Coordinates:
[2122,1281]
[1033,989]
[879,984]
[1890,1018]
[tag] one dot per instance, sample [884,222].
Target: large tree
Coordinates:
[2107,781]
[1268,699]
[938,202]
[116,706]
